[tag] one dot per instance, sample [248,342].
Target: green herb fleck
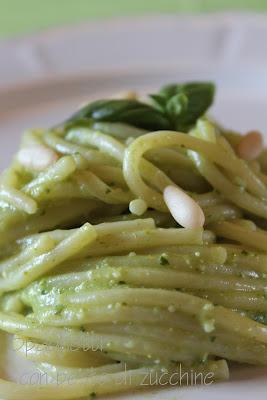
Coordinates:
[204,359]
[163,260]
[59,309]
[258,317]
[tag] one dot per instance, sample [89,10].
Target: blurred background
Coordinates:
[57,54]
[19,17]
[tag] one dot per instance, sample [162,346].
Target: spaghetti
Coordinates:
[92,260]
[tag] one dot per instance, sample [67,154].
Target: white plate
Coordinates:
[44,78]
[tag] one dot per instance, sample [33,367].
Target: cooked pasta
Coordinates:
[133,248]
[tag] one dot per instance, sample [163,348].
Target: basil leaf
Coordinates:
[158,101]
[184,103]
[170,90]
[131,112]
[175,106]
[200,97]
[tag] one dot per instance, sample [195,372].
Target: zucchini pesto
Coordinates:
[135,233]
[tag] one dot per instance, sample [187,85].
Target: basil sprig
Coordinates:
[131,112]
[175,107]
[184,104]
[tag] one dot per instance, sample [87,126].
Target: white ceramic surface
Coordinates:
[44,78]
